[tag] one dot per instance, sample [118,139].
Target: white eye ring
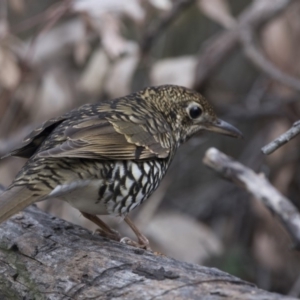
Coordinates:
[194,111]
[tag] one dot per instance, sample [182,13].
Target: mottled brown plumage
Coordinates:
[107,158]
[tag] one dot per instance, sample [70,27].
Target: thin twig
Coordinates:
[259,187]
[259,60]
[283,139]
[217,49]
[55,14]
[33,21]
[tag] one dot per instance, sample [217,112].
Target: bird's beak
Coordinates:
[225,128]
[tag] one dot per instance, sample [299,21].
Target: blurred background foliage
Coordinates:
[57,55]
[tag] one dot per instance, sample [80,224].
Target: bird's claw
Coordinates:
[142,244]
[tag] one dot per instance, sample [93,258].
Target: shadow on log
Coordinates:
[43,257]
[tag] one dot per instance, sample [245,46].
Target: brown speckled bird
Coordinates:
[107,158]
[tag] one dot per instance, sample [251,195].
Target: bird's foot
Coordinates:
[142,244]
[113,234]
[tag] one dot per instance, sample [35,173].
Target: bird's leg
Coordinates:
[143,242]
[103,229]
[106,231]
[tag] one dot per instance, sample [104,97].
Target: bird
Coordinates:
[108,157]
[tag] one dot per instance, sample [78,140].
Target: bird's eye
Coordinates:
[195,111]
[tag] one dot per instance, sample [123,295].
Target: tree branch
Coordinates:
[259,187]
[217,49]
[42,257]
[251,49]
[283,139]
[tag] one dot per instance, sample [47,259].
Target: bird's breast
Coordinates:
[130,184]
[115,187]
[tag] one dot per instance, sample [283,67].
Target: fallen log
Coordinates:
[43,257]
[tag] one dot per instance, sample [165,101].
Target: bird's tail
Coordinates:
[16,199]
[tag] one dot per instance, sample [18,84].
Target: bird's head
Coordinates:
[188,112]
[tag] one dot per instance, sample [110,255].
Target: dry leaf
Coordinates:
[180,71]
[218,11]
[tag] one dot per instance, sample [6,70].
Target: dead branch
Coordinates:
[259,187]
[217,49]
[53,15]
[251,49]
[45,16]
[43,257]
[283,139]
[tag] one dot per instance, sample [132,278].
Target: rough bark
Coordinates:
[43,257]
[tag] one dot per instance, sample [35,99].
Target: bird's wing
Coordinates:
[32,141]
[112,138]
